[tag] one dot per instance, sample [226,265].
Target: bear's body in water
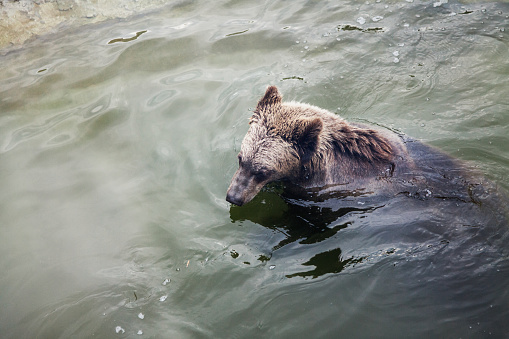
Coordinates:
[311,148]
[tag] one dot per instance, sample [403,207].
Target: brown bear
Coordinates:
[311,147]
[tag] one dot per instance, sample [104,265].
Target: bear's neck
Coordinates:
[348,153]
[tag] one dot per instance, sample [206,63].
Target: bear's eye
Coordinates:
[262,174]
[239,156]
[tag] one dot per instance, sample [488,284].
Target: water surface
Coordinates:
[118,142]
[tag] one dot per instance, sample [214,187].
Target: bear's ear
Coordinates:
[306,136]
[272,97]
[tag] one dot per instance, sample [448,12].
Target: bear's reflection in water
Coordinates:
[443,215]
[303,222]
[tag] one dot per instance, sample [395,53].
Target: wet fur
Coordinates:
[309,147]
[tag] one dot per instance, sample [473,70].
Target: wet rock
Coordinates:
[24,20]
[65,5]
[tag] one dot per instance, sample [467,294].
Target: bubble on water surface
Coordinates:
[361,20]
[163,298]
[119,329]
[140,332]
[141,315]
[377,18]
[166,281]
[271,267]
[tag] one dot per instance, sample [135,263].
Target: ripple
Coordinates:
[60,139]
[182,77]
[100,106]
[28,132]
[161,97]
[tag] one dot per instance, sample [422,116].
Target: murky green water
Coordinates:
[118,142]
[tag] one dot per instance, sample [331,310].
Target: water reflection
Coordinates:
[307,222]
[136,36]
[326,262]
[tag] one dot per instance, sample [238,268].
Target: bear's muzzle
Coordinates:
[244,187]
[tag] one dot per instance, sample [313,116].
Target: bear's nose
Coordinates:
[234,199]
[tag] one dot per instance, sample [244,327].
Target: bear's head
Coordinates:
[277,146]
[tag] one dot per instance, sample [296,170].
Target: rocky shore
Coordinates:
[23,20]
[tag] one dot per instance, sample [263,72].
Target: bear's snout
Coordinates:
[234,198]
[243,187]
[237,190]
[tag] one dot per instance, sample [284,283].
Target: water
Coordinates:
[118,142]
